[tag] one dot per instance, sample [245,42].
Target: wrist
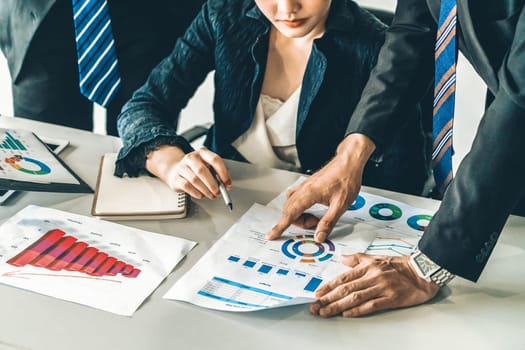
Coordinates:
[429,270]
[161,160]
[356,147]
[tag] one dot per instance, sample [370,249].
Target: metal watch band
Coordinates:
[441,277]
[429,270]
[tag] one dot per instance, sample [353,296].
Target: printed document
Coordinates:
[397,225]
[23,157]
[244,271]
[85,260]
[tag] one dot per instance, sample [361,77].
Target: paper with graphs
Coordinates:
[85,260]
[397,225]
[243,271]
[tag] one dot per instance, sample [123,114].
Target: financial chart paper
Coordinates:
[243,271]
[85,260]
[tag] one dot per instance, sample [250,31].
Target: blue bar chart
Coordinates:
[311,283]
[12,143]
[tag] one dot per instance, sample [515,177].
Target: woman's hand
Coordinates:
[190,172]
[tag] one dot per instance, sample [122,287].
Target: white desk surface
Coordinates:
[486,315]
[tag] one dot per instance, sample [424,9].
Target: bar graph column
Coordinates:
[10,142]
[56,251]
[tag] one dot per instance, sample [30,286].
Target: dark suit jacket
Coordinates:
[490,181]
[19,21]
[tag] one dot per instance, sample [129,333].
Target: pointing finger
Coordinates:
[282,225]
[328,221]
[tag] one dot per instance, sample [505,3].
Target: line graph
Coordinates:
[393,246]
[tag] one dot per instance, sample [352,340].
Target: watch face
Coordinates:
[426,265]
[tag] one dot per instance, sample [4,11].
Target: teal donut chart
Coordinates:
[395,211]
[413,221]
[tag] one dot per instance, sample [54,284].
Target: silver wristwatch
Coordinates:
[429,270]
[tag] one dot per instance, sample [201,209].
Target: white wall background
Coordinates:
[469,99]
[6,101]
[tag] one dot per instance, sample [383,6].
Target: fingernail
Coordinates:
[320,237]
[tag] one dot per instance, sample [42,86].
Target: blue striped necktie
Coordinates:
[97,58]
[444,95]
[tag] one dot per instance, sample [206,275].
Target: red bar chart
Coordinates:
[57,251]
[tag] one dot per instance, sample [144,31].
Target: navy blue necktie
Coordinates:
[97,58]
[444,95]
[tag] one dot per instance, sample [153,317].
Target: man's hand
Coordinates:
[373,284]
[335,185]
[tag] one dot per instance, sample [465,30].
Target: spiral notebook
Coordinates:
[134,198]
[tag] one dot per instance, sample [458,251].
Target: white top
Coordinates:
[270,140]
